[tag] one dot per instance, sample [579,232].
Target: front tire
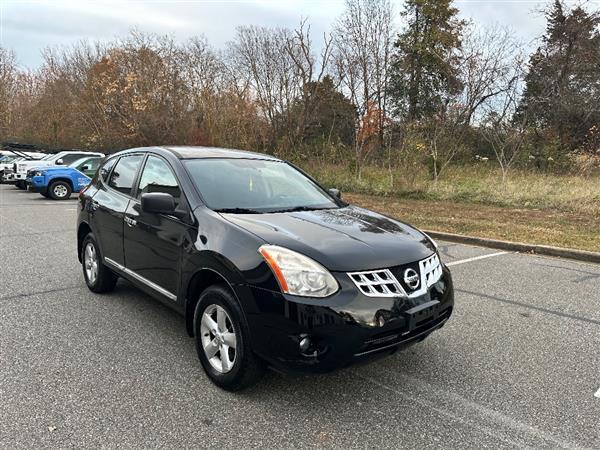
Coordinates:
[222,341]
[60,190]
[98,277]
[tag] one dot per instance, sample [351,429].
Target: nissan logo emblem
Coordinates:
[411,278]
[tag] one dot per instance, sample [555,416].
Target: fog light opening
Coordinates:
[304,344]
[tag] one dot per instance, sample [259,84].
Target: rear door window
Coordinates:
[123,175]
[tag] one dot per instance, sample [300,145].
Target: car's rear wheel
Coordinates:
[60,190]
[98,277]
[223,341]
[20,185]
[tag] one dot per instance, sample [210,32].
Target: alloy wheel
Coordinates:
[219,339]
[90,261]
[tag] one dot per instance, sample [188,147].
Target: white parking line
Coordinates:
[475,258]
[597,394]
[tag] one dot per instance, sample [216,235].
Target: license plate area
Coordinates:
[421,314]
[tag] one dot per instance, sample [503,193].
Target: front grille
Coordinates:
[377,283]
[391,282]
[431,270]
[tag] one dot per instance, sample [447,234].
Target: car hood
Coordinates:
[345,239]
[23,166]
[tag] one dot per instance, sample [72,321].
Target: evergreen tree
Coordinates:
[425,64]
[323,114]
[562,92]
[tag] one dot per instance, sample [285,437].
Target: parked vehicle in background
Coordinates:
[9,157]
[59,182]
[57,159]
[266,265]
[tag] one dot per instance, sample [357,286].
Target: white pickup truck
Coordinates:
[56,159]
[8,158]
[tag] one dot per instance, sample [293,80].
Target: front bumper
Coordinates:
[8,178]
[37,184]
[346,328]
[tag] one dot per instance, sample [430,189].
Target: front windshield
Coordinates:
[7,158]
[253,185]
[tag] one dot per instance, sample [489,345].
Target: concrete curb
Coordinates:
[579,255]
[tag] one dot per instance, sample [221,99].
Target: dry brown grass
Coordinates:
[548,227]
[481,184]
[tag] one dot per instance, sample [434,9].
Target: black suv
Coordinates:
[266,266]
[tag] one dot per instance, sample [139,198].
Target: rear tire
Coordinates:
[20,185]
[59,190]
[98,277]
[223,341]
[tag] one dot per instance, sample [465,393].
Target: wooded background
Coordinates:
[437,92]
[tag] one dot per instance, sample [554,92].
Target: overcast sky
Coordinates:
[27,26]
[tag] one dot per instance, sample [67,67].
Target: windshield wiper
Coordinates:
[297,208]
[238,211]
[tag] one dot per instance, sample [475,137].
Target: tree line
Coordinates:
[438,91]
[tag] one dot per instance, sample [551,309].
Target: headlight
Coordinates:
[298,274]
[38,173]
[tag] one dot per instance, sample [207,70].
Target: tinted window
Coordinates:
[106,168]
[259,185]
[158,177]
[123,175]
[68,159]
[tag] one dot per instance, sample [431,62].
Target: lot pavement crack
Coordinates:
[47,291]
[528,306]
[586,275]
[37,234]
[488,421]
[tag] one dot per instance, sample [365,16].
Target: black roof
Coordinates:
[183,152]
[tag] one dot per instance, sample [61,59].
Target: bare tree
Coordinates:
[8,85]
[487,65]
[503,128]
[278,65]
[362,46]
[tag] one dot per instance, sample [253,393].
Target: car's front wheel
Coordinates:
[222,341]
[60,190]
[98,277]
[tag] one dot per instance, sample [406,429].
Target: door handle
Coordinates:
[131,222]
[94,205]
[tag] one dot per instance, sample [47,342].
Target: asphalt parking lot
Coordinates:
[518,365]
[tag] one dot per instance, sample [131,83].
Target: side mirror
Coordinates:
[59,162]
[158,203]
[84,168]
[335,193]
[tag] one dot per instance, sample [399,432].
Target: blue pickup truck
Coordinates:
[58,182]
